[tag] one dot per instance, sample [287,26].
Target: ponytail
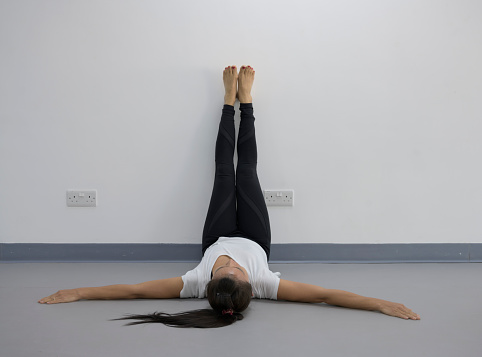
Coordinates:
[204,318]
[226,296]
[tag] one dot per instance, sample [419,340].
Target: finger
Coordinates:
[413,315]
[406,310]
[44,300]
[403,314]
[52,299]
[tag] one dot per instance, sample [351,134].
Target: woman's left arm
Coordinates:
[294,291]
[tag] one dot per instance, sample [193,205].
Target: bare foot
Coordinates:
[245,83]
[230,78]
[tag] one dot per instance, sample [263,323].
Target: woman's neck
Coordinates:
[221,261]
[226,263]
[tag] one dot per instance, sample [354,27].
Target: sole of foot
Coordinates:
[230,79]
[245,83]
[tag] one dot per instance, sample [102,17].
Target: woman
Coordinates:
[236,241]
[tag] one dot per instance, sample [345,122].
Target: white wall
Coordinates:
[370,110]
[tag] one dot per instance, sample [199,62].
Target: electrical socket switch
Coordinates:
[82,198]
[279,197]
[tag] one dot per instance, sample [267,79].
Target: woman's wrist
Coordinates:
[82,293]
[377,304]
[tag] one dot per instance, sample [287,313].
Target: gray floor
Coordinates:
[447,296]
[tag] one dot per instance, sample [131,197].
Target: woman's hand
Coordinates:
[61,296]
[397,310]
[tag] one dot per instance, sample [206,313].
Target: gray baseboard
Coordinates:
[280,253]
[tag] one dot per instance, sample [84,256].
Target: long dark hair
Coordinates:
[227,297]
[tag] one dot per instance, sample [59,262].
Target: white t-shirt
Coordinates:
[246,253]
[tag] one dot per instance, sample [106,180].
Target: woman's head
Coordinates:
[226,294]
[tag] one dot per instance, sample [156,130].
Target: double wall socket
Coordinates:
[279,197]
[82,198]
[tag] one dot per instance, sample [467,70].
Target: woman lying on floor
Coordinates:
[236,241]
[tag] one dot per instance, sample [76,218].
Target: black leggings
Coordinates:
[237,207]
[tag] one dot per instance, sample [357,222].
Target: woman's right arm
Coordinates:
[155,289]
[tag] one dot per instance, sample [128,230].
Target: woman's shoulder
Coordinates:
[265,285]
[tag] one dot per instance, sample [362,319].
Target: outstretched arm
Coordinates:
[293,291]
[155,289]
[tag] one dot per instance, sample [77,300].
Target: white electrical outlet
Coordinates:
[82,198]
[279,197]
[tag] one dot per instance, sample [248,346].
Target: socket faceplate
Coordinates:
[279,197]
[82,198]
